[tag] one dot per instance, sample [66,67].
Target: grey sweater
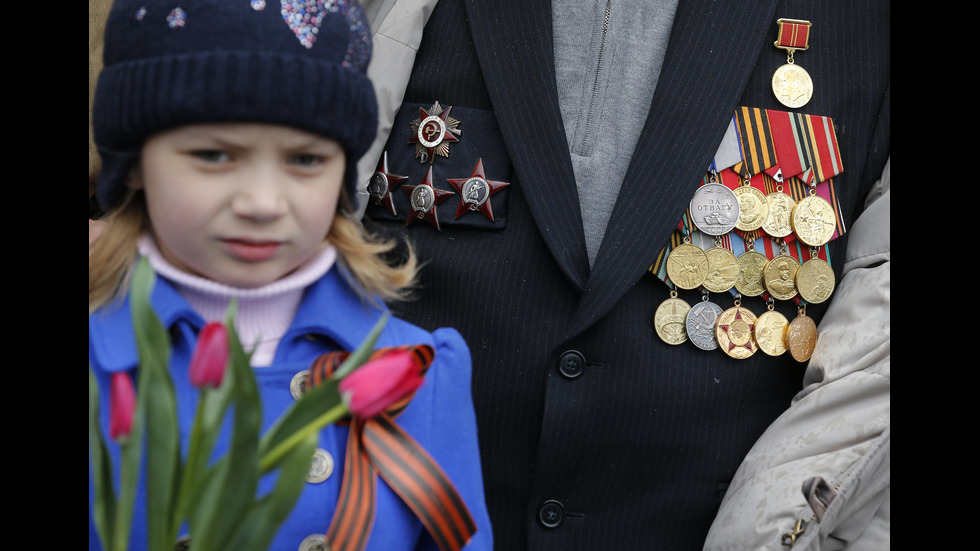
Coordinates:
[608,55]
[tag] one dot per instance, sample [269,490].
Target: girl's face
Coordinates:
[243,204]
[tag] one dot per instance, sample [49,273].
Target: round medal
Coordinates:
[735,331]
[779,277]
[801,337]
[815,280]
[792,85]
[770,333]
[701,324]
[750,267]
[753,208]
[714,209]
[722,270]
[687,266]
[778,219]
[671,318]
[814,221]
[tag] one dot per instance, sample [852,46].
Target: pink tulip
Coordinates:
[371,388]
[122,404]
[210,356]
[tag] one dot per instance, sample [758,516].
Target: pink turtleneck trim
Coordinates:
[264,313]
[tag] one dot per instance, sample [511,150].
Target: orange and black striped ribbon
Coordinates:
[378,446]
[756,139]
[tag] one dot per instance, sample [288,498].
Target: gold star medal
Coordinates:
[791,83]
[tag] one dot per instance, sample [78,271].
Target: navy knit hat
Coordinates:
[167,63]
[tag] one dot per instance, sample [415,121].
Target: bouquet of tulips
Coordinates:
[217,499]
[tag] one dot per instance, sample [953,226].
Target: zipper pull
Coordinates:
[790,538]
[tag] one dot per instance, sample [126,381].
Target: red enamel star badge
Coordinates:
[424,199]
[433,131]
[475,191]
[383,183]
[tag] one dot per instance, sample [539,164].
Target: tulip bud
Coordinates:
[122,404]
[371,388]
[210,356]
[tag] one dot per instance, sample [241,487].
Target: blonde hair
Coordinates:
[362,254]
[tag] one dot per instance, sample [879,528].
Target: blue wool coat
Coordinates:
[331,317]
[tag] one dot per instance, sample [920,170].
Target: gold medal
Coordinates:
[791,83]
[687,266]
[770,332]
[752,207]
[815,280]
[735,331]
[670,320]
[814,221]
[779,216]
[801,336]
[779,277]
[750,267]
[722,269]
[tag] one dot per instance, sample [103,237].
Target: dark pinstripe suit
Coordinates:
[639,447]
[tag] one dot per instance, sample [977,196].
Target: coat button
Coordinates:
[551,514]
[297,386]
[571,364]
[314,542]
[321,467]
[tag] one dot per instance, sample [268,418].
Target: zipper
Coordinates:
[598,70]
[801,525]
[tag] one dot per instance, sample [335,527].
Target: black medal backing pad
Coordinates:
[479,138]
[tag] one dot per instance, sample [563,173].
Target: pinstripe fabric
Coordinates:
[639,447]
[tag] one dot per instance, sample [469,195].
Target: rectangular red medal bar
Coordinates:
[794,34]
[787,142]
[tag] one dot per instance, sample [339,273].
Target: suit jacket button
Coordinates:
[551,513]
[571,364]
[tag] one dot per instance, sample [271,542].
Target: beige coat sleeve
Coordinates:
[397,26]
[823,466]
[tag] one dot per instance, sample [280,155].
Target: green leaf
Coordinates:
[104,512]
[268,513]
[157,402]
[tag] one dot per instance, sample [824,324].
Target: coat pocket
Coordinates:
[459,152]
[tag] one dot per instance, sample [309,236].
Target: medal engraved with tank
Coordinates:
[714,209]
[722,269]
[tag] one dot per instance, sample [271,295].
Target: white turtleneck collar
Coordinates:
[263,313]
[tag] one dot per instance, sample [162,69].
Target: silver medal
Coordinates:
[714,209]
[701,324]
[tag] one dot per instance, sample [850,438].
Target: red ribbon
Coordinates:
[378,446]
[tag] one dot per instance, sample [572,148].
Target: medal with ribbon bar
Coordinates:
[791,83]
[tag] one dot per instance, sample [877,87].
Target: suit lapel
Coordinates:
[513,39]
[712,44]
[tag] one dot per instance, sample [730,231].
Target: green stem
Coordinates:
[297,437]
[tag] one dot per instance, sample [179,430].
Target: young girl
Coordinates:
[229,134]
